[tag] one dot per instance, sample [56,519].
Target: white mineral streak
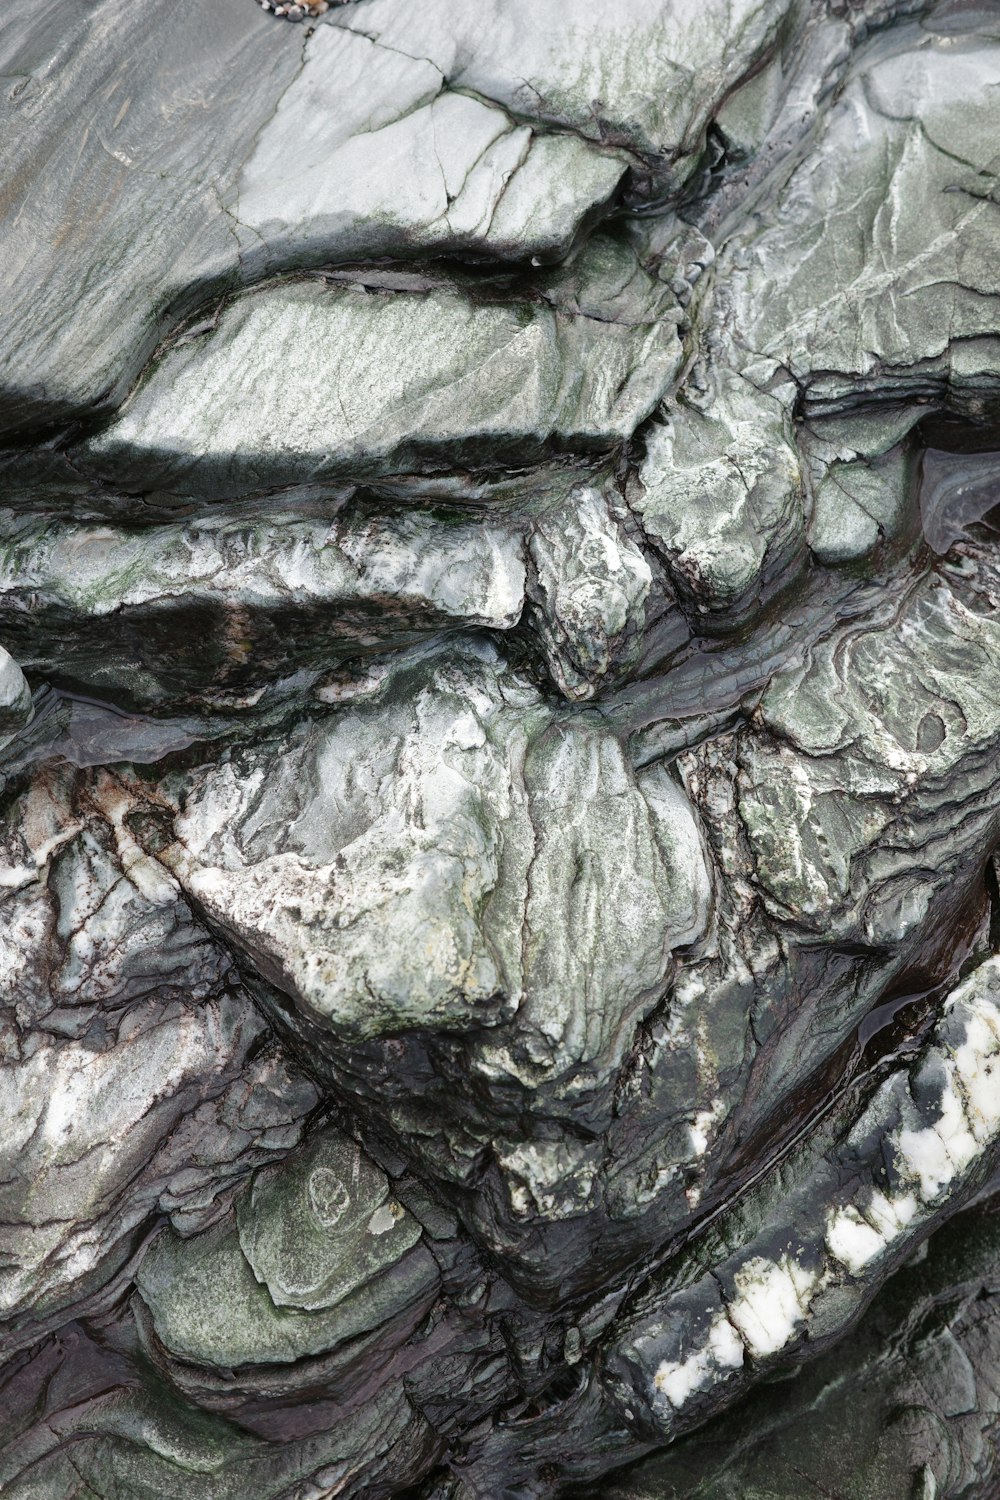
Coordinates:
[722,1352]
[146,874]
[976,1068]
[767,1313]
[382,1220]
[772,1300]
[934,1156]
[855,1238]
[701,1126]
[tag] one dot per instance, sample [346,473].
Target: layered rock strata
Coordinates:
[499,711]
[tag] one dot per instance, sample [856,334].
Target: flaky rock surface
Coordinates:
[499,729]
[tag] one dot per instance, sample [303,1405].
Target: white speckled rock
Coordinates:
[589,583]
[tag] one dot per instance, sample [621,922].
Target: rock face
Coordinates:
[499,728]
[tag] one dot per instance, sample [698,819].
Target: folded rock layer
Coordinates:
[499,681]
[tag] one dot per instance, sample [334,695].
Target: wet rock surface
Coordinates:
[499,682]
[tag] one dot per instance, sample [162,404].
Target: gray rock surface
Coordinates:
[386,380]
[136,1078]
[213,612]
[499,682]
[915,1386]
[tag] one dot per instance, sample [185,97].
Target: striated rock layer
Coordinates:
[500,750]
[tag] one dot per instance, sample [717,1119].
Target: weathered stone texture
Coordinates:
[499,713]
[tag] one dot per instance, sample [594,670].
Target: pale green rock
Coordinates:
[322,1224]
[642,75]
[225,605]
[590,583]
[307,381]
[875,269]
[499,783]
[480,868]
[401,894]
[113,231]
[875,722]
[748,113]
[186,183]
[208,1307]
[858,504]
[722,497]
[150,1088]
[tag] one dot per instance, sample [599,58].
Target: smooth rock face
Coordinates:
[499,726]
[384,381]
[370,151]
[626,77]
